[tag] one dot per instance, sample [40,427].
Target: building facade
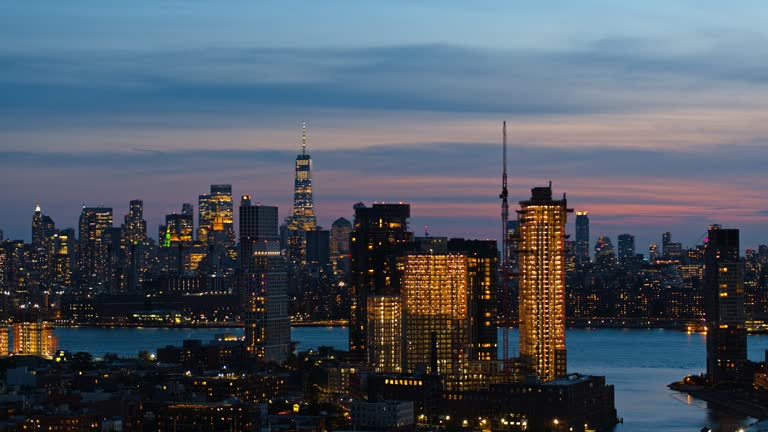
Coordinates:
[385,333]
[542,284]
[215,217]
[378,241]
[95,223]
[264,283]
[724,307]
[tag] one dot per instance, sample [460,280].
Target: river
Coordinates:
[639,363]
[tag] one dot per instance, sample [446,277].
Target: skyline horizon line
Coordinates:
[570,223]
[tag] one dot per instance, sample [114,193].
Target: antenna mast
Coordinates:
[504,267]
[304,138]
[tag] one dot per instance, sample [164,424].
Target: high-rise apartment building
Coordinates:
[724,307]
[436,306]
[385,333]
[5,341]
[34,338]
[265,283]
[626,248]
[93,254]
[482,286]
[582,237]
[542,284]
[302,218]
[378,240]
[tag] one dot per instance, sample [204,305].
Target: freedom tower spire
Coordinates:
[302,218]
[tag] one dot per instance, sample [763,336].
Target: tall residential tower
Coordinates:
[379,237]
[542,284]
[265,283]
[724,306]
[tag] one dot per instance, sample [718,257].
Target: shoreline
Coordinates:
[723,399]
[344,323]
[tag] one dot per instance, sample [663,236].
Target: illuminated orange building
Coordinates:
[385,333]
[435,304]
[4,342]
[34,338]
[542,284]
[216,216]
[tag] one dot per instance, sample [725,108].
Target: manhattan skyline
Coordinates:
[649,129]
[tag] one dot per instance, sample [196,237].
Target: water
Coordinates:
[639,363]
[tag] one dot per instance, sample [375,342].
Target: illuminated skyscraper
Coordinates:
[724,307]
[265,283]
[542,284]
[134,225]
[62,258]
[93,254]
[302,218]
[482,268]
[34,338]
[134,243]
[385,333]
[436,305]
[379,238]
[215,217]
[582,237]
[43,230]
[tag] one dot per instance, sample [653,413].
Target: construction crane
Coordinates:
[504,195]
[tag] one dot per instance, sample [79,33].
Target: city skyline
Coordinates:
[649,129]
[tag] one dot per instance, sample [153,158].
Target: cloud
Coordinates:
[641,191]
[608,76]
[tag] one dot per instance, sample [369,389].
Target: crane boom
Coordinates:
[504,276]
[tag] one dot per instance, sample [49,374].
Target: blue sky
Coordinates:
[651,115]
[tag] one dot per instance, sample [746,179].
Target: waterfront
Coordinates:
[640,363]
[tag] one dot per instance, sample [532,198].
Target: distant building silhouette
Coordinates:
[626,248]
[582,237]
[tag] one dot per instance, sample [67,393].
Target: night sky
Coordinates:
[650,115]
